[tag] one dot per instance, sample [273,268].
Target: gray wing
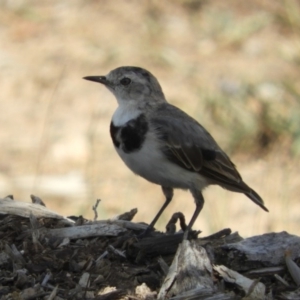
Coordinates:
[190,146]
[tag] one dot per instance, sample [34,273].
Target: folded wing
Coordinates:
[187,144]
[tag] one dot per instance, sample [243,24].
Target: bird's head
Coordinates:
[131,84]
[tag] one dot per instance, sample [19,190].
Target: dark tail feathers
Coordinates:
[256,199]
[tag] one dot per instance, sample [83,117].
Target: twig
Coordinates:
[95,209]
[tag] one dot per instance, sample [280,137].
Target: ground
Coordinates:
[39,264]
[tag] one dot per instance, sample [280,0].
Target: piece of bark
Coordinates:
[292,295]
[265,271]
[265,250]
[53,294]
[15,255]
[292,267]
[4,258]
[253,289]
[163,265]
[21,278]
[84,280]
[154,246]
[85,231]
[200,294]
[127,216]
[281,280]
[47,277]
[162,245]
[190,269]
[122,223]
[113,295]
[24,209]
[37,200]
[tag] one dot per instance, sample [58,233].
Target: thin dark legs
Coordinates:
[168,192]
[199,201]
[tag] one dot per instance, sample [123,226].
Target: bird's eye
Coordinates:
[125,81]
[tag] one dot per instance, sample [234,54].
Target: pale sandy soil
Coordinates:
[55,141]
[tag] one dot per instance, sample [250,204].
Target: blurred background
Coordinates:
[232,65]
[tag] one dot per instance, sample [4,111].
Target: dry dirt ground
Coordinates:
[55,139]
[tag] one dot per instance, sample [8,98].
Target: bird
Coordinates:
[163,144]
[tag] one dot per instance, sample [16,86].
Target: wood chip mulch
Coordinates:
[34,265]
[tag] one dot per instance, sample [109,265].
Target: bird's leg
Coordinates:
[168,192]
[199,200]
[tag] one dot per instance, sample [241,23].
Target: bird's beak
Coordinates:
[100,79]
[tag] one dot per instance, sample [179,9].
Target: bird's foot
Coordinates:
[146,233]
[188,233]
[191,234]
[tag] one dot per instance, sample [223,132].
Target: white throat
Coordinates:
[125,113]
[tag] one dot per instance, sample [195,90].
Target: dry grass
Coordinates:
[232,65]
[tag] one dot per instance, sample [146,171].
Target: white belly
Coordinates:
[150,163]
